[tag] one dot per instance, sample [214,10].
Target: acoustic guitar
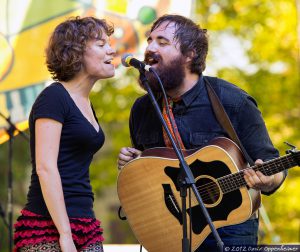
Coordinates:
[149,193]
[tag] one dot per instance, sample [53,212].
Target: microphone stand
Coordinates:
[186,178]
[10,131]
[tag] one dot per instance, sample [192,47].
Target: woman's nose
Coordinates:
[111,51]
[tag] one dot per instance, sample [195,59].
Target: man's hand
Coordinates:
[126,154]
[259,181]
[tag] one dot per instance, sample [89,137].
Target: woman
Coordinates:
[65,135]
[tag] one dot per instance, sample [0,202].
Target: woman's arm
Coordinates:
[47,135]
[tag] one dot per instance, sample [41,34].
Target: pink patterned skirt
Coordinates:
[32,229]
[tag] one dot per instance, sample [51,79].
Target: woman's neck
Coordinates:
[79,87]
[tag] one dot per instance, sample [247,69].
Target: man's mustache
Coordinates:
[151,58]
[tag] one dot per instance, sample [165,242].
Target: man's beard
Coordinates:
[171,75]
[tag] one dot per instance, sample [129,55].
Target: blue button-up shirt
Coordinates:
[197,123]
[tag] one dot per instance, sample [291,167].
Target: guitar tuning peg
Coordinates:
[292,146]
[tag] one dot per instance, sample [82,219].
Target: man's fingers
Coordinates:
[252,179]
[134,152]
[257,180]
[126,154]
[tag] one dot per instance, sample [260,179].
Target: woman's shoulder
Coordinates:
[52,102]
[53,95]
[55,89]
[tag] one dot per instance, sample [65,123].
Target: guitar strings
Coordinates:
[235,177]
[265,168]
[236,180]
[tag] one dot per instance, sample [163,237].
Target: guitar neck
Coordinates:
[234,181]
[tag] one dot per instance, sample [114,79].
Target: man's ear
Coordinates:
[189,56]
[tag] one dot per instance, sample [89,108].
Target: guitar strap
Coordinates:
[223,118]
[171,123]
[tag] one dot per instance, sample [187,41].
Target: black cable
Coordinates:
[120,215]
[2,214]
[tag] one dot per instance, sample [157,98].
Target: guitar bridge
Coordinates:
[171,202]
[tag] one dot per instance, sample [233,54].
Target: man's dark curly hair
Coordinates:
[191,39]
[64,54]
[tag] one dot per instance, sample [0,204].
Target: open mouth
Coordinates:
[152,59]
[109,62]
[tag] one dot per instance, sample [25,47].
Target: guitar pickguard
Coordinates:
[171,202]
[222,208]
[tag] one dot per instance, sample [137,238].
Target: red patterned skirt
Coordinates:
[33,229]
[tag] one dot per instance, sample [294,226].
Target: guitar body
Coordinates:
[149,194]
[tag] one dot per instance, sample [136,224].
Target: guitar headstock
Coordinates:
[294,152]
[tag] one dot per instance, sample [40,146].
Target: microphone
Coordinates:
[128,61]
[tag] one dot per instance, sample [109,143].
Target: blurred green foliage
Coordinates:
[268,32]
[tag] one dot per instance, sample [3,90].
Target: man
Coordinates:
[177,50]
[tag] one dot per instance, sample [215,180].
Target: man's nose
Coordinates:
[152,47]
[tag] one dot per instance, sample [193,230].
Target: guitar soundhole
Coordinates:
[208,190]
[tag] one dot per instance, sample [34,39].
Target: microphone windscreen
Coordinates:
[124,59]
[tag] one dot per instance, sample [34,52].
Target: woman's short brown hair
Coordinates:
[67,43]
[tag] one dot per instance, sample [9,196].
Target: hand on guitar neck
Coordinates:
[258,181]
